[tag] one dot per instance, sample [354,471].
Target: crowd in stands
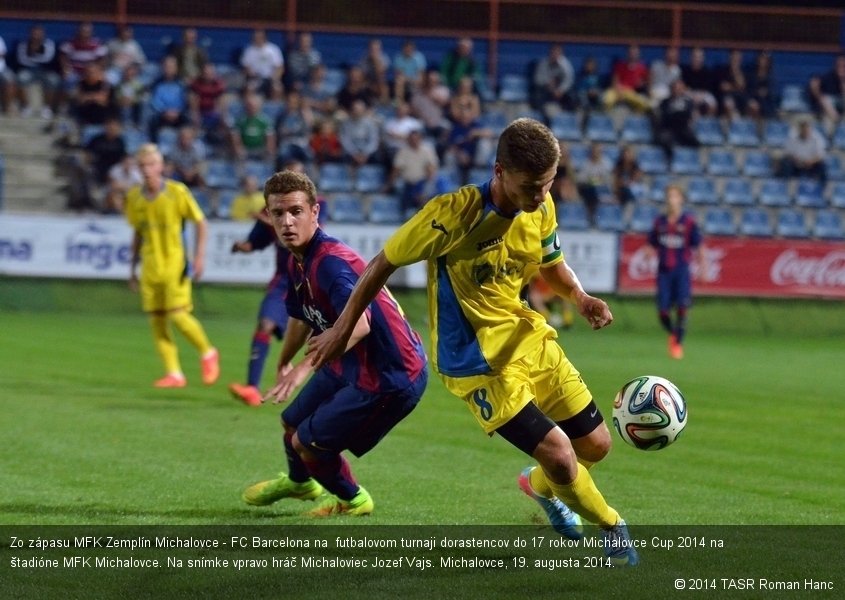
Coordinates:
[410,125]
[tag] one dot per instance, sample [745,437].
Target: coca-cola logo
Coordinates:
[790,268]
[642,264]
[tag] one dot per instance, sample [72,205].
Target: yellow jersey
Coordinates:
[160,221]
[478,262]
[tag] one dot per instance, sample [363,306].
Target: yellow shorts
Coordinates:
[166,295]
[544,376]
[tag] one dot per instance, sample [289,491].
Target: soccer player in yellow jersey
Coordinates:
[482,243]
[157,210]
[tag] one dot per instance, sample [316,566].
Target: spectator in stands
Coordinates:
[300,61]
[409,66]
[253,135]
[700,81]
[398,127]
[429,103]
[564,188]
[468,143]
[827,92]
[93,100]
[805,152]
[375,66]
[553,80]
[629,82]
[594,179]
[761,87]
[190,56]
[79,52]
[465,103]
[359,136]
[588,85]
[318,92]
[293,127]
[416,166]
[676,115]
[7,80]
[732,86]
[168,99]
[249,204]
[36,58]
[663,72]
[123,50]
[354,89]
[122,176]
[459,63]
[263,66]
[626,173]
[205,101]
[105,150]
[129,95]
[324,142]
[187,158]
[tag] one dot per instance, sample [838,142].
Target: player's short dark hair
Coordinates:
[285,182]
[528,146]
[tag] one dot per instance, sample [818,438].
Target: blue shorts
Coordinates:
[674,288]
[273,308]
[329,414]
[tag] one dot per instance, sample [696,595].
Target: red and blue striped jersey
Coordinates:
[674,241]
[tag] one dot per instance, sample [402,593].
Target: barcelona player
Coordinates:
[157,210]
[350,402]
[676,239]
[481,244]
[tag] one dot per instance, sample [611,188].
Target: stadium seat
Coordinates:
[793,100]
[657,191]
[718,221]
[203,200]
[334,81]
[828,225]
[636,129]
[642,217]
[259,169]
[573,216]
[272,109]
[89,132]
[708,131]
[791,223]
[774,192]
[757,163]
[609,217]
[234,111]
[833,164]
[220,174]
[370,179]
[837,194]
[167,138]
[755,222]
[578,154]
[775,133]
[346,208]
[385,208]
[839,136]
[639,190]
[225,196]
[479,175]
[652,160]
[495,120]
[685,161]
[702,190]
[133,138]
[513,88]
[565,126]
[334,177]
[743,132]
[599,128]
[611,152]
[808,194]
[738,192]
[722,162]
[447,180]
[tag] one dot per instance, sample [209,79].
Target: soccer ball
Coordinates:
[649,412]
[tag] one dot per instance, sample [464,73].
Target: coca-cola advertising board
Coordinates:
[745,267]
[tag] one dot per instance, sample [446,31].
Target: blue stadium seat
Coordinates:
[573,216]
[775,133]
[261,170]
[774,192]
[272,109]
[346,208]
[652,160]
[642,217]
[791,223]
[792,99]
[89,132]
[234,111]
[479,175]
[743,132]
[446,180]
[611,152]
[578,153]
[708,131]
[738,192]
[225,197]
[385,208]
[722,162]
[685,161]
[808,194]
[839,136]
[837,194]
[133,138]
[335,177]
[702,190]
[636,129]
[828,225]
[167,138]
[220,174]
[203,200]
[370,179]
[599,128]
[513,88]
[609,217]
[565,126]
[334,81]
[755,222]
[495,120]
[718,221]
[757,163]
[657,192]
[833,164]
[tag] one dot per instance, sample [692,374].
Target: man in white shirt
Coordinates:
[804,153]
[416,165]
[263,65]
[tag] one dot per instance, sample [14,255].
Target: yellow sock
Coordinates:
[539,483]
[166,348]
[191,328]
[583,497]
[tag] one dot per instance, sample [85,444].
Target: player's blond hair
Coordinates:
[148,149]
[528,146]
[285,182]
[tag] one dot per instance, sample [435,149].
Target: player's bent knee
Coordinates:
[557,457]
[594,446]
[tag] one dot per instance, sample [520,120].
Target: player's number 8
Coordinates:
[479,396]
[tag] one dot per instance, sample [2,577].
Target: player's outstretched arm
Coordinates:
[562,279]
[333,342]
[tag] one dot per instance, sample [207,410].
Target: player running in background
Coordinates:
[490,349]
[352,401]
[675,238]
[157,210]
